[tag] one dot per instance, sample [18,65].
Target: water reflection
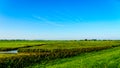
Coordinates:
[9,52]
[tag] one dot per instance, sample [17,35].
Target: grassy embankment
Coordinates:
[109,58]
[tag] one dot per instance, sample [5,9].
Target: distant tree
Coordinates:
[86,40]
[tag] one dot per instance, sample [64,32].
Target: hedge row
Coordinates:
[21,61]
[7,49]
[80,50]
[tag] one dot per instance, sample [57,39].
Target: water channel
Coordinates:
[9,52]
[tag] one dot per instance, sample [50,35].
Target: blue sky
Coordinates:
[59,19]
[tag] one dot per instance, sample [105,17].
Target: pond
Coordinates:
[9,52]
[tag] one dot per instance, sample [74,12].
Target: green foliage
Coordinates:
[77,50]
[76,44]
[31,58]
[40,51]
[15,44]
[101,59]
[7,45]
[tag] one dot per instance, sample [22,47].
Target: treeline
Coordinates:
[57,40]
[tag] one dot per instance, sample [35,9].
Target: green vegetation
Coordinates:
[6,55]
[76,44]
[13,45]
[72,46]
[102,59]
[59,52]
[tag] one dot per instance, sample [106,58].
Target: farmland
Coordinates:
[103,59]
[60,54]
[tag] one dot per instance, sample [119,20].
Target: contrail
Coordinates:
[47,21]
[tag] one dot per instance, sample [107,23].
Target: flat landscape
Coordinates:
[60,54]
[59,33]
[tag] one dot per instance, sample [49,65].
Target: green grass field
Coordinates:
[61,54]
[14,44]
[76,44]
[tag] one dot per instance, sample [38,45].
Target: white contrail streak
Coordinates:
[47,21]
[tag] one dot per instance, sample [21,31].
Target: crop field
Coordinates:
[60,54]
[10,45]
[14,44]
[77,44]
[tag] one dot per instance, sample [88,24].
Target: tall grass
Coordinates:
[102,59]
[20,61]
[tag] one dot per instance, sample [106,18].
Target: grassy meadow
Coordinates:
[60,54]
